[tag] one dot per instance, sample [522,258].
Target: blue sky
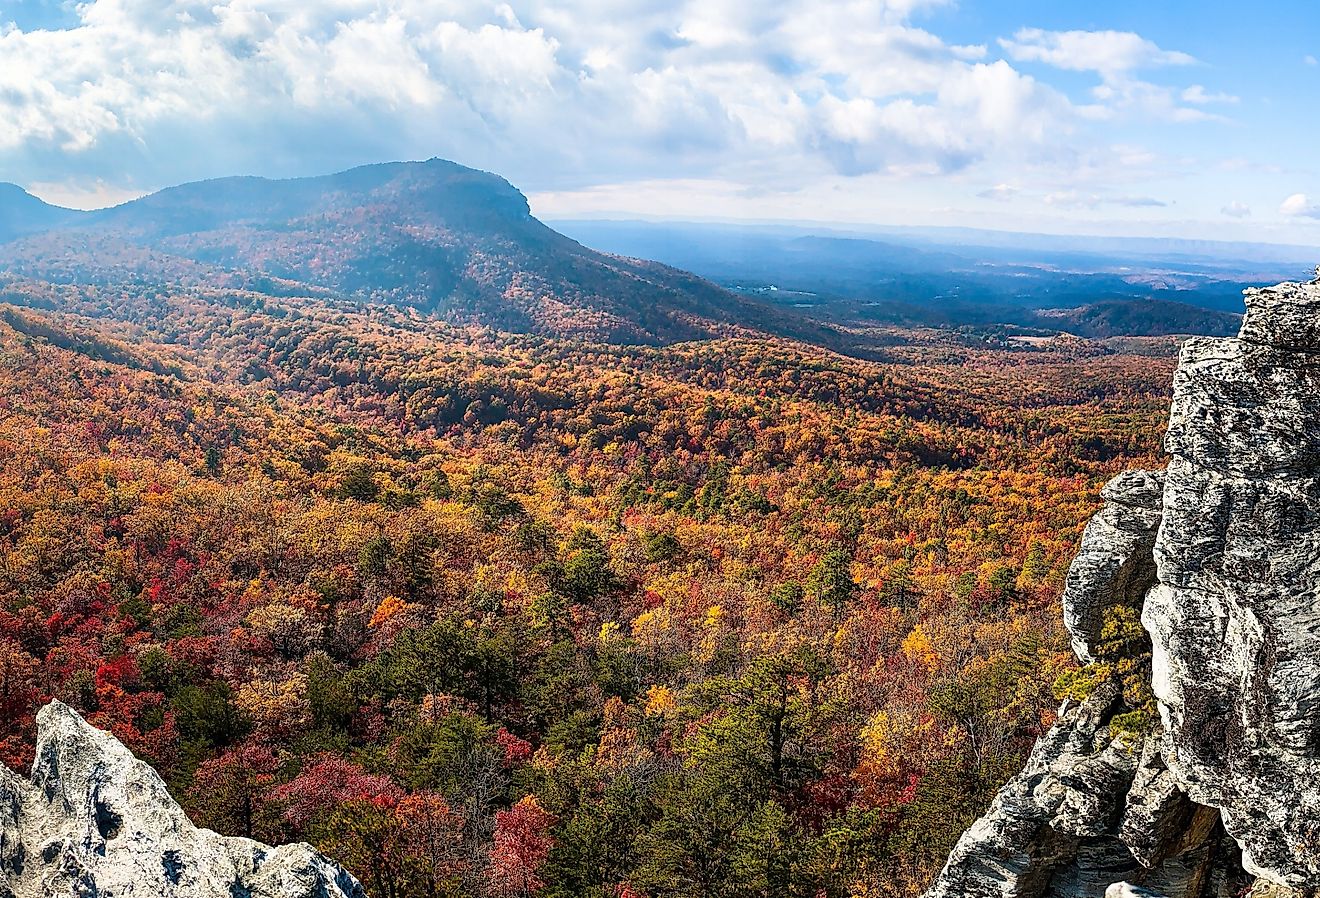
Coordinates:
[1169,119]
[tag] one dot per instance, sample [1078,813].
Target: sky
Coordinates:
[1173,118]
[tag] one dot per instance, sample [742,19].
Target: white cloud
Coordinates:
[796,99]
[1236,210]
[1299,205]
[1197,94]
[999,192]
[1310,60]
[1116,57]
[1110,53]
[978,109]
[586,89]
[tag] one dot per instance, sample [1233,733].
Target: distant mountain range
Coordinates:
[462,244]
[1151,317]
[973,277]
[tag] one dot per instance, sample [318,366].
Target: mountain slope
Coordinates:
[435,235]
[22,213]
[265,539]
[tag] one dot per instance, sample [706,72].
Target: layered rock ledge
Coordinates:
[92,820]
[1220,556]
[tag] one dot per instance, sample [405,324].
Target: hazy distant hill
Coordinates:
[22,213]
[462,244]
[1151,317]
[434,235]
[941,277]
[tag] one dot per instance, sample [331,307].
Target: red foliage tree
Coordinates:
[230,792]
[520,848]
[329,782]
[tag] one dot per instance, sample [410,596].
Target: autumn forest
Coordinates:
[517,605]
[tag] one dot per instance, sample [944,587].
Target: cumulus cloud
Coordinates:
[1116,57]
[1110,53]
[119,96]
[999,192]
[1200,96]
[1299,205]
[517,84]
[1236,210]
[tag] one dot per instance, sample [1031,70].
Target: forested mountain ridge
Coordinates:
[436,236]
[1112,318]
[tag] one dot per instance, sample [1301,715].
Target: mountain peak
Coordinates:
[434,235]
[431,192]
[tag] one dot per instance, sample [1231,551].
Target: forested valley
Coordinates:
[490,614]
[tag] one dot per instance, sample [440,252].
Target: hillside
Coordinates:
[1183,763]
[409,561]
[22,213]
[1153,317]
[434,236]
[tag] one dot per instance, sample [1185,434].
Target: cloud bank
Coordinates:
[571,96]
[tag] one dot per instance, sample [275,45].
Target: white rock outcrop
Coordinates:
[1221,556]
[1235,617]
[92,821]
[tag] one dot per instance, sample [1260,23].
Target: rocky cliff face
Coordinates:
[92,820]
[1219,793]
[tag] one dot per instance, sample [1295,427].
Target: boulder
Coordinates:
[93,820]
